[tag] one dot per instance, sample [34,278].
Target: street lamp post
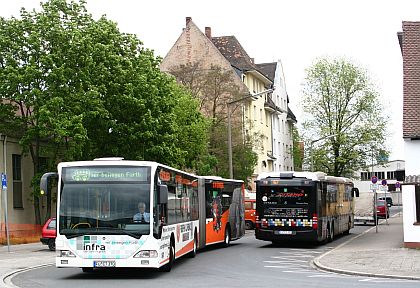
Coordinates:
[312,143]
[254,97]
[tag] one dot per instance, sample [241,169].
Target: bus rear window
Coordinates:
[281,195]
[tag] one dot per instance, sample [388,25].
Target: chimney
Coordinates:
[208,32]
[187,20]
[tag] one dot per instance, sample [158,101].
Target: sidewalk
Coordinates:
[375,254]
[22,257]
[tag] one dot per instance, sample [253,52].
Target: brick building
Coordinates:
[409,40]
[254,114]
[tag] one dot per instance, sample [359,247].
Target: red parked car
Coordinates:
[382,209]
[49,233]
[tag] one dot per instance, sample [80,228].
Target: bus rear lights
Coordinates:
[264,223]
[146,254]
[315,221]
[65,253]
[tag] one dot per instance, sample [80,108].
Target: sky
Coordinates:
[297,32]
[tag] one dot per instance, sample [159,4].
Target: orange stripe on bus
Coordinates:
[187,248]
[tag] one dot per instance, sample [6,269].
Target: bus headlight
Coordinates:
[146,254]
[65,253]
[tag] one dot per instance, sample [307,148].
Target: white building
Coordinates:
[390,171]
[282,118]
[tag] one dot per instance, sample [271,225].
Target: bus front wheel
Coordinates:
[168,266]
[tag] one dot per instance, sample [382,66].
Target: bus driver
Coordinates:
[142,216]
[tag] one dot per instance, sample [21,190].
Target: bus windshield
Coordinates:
[101,207]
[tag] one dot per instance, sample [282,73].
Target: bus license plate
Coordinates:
[283,232]
[103,264]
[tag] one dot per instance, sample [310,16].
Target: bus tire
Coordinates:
[194,251]
[51,244]
[331,232]
[226,240]
[87,269]
[168,266]
[347,232]
[249,225]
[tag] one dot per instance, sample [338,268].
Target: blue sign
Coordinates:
[397,185]
[374,179]
[384,182]
[3,181]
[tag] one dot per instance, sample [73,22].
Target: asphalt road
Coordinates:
[246,263]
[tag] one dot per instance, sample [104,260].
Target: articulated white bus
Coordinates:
[119,213]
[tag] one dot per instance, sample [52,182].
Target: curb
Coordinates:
[317,264]
[7,278]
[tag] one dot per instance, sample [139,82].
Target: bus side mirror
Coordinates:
[163,194]
[44,182]
[355,192]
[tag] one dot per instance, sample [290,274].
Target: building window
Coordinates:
[390,175]
[255,113]
[17,181]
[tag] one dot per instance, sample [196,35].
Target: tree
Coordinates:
[344,123]
[76,88]
[297,149]
[214,88]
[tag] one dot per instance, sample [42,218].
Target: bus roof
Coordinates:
[209,177]
[315,176]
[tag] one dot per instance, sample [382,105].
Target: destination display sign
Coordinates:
[106,173]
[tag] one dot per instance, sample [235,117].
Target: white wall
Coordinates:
[411,232]
[412,167]
[412,156]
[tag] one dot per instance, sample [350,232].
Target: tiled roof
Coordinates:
[232,50]
[268,69]
[410,44]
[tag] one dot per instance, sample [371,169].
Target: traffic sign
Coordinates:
[383,182]
[374,179]
[3,181]
[397,185]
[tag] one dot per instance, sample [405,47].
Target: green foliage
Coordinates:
[297,150]
[345,123]
[76,88]
[214,88]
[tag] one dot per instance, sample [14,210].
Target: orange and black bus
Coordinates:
[303,206]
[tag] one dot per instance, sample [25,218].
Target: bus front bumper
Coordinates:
[62,262]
